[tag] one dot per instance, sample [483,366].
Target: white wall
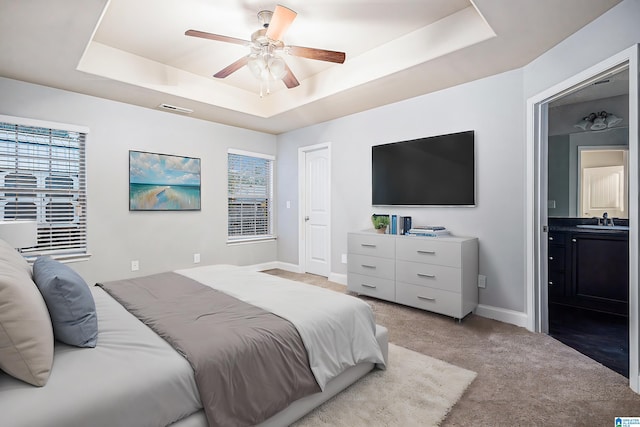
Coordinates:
[493,108]
[161,241]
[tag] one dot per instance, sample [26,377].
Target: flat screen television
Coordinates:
[433,171]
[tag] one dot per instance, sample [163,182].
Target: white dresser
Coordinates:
[438,274]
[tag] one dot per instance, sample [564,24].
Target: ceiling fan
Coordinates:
[266,47]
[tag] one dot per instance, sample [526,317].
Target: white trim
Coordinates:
[338,278]
[536,205]
[251,154]
[513,317]
[43,124]
[301,195]
[254,239]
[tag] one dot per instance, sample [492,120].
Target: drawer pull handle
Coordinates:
[550,238]
[368,266]
[368,286]
[550,283]
[573,240]
[430,276]
[550,258]
[426,298]
[426,252]
[367,245]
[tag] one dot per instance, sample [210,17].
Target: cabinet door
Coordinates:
[557,263]
[601,272]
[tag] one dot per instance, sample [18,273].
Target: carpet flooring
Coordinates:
[523,378]
[413,387]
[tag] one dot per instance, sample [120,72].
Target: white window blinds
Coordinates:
[42,178]
[250,195]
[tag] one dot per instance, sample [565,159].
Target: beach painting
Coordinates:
[163,182]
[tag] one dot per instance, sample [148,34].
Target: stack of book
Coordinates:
[428,230]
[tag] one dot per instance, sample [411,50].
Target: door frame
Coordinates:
[302,177]
[536,200]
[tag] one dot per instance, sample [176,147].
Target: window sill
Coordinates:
[246,240]
[65,259]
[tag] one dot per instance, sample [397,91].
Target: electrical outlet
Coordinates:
[344,258]
[135,265]
[196,258]
[482,281]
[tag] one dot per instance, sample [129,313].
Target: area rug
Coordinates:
[415,390]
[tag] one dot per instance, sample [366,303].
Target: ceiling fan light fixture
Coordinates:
[277,67]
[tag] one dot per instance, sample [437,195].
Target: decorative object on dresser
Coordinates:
[380,222]
[436,274]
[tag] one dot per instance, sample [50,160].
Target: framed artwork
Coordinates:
[163,182]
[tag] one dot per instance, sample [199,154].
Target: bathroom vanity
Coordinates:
[588,266]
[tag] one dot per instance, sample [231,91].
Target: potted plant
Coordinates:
[380,222]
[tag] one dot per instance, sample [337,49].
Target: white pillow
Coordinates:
[26,334]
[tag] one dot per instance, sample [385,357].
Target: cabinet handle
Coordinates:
[426,298]
[368,286]
[367,245]
[368,266]
[573,240]
[430,276]
[550,283]
[550,238]
[550,258]
[426,252]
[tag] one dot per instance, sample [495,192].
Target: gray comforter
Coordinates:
[248,363]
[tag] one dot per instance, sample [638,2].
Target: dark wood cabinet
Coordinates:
[558,261]
[589,270]
[600,266]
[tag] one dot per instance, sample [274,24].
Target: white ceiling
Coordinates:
[135,51]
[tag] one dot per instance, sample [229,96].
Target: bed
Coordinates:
[133,377]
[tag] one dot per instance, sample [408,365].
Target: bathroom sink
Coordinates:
[603,227]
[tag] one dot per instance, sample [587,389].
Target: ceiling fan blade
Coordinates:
[289,79]
[280,21]
[232,67]
[319,54]
[217,37]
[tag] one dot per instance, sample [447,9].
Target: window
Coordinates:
[42,178]
[250,195]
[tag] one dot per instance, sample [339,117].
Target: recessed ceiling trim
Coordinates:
[452,33]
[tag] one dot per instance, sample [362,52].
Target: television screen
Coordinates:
[435,171]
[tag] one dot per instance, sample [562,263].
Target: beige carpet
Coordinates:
[414,387]
[524,378]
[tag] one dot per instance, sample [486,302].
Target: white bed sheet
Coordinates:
[132,378]
[337,330]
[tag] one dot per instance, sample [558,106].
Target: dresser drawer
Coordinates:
[432,251]
[373,286]
[436,300]
[371,244]
[383,268]
[431,275]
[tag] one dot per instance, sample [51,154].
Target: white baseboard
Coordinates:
[517,318]
[338,278]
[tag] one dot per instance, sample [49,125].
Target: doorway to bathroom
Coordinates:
[582,252]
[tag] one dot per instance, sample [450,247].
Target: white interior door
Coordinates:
[603,190]
[317,212]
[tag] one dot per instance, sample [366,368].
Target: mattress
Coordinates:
[131,378]
[135,378]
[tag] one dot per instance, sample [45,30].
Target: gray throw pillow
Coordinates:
[69,300]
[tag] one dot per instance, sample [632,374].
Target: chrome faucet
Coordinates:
[606,220]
